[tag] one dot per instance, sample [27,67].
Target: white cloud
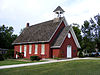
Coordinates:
[83,11]
[17,12]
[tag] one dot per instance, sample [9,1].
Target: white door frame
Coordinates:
[69,51]
[24,50]
[16,56]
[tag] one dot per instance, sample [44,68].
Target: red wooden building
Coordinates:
[50,39]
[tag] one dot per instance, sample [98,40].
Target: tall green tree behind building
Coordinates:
[6,37]
[88,43]
[77,31]
[95,23]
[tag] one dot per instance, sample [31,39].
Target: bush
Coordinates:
[81,55]
[1,57]
[37,58]
[9,54]
[21,55]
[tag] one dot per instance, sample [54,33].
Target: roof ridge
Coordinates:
[40,23]
[46,22]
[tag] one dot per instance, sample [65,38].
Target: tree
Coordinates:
[77,32]
[88,44]
[6,37]
[95,23]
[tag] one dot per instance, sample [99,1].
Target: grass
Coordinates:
[75,67]
[14,61]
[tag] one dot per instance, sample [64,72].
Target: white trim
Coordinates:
[42,48]
[55,47]
[20,48]
[36,49]
[65,22]
[69,51]
[74,37]
[30,49]
[29,42]
[69,35]
[56,30]
[16,56]
[25,49]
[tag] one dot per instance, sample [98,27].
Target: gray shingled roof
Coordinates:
[42,32]
[61,37]
[58,9]
[39,32]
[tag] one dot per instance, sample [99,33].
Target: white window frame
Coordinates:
[36,49]
[25,49]
[30,49]
[16,56]
[43,49]
[20,48]
[69,35]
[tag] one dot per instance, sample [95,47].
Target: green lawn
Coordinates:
[76,67]
[14,61]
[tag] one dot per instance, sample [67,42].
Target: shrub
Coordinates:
[1,57]
[20,55]
[9,54]
[81,55]
[91,55]
[37,58]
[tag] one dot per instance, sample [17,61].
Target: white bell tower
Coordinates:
[59,11]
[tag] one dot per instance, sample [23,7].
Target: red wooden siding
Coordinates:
[53,39]
[68,41]
[62,51]
[56,53]
[46,55]
[16,49]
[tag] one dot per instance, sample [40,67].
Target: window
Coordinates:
[42,49]
[30,49]
[25,47]
[20,48]
[74,51]
[36,49]
[69,35]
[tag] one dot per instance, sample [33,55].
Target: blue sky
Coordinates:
[17,13]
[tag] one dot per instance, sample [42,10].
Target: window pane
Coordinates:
[20,48]
[42,49]
[30,49]
[36,48]
[25,50]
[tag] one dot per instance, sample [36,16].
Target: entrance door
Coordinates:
[69,51]
[24,50]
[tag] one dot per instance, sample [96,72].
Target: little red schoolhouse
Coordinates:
[49,39]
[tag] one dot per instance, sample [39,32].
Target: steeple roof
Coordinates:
[59,9]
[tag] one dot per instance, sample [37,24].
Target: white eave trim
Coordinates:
[65,22]
[55,47]
[74,37]
[29,42]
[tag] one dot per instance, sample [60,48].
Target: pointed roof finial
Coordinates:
[59,11]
